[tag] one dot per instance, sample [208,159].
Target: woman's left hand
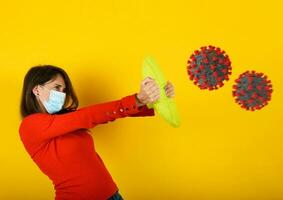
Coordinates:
[169,90]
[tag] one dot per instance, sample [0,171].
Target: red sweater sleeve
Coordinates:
[41,126]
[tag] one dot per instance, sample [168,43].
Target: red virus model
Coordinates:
[252,90]
[209,67]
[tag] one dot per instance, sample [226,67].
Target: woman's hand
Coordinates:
[149,92]
[169,90]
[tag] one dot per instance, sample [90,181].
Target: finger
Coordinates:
[151,87]
[169,84]
[147,80]
[168,87]
[154,91]
[170,94]
[149,84]
[169,90]
[153,100]
[156,98]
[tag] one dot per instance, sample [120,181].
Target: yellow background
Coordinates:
[220,151]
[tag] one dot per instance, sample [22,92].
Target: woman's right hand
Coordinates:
[149,92]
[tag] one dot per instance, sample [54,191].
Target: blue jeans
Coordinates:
[116,196]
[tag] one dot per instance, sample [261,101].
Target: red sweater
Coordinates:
[63,149]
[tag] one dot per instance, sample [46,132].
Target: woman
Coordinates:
[55,133]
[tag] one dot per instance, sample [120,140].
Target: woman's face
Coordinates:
[42,92]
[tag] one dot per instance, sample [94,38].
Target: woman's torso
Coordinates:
[74,166]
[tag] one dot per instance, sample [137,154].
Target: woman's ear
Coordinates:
[35,90]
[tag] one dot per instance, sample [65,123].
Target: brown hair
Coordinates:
[39,75]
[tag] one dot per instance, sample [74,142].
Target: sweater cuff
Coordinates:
[129,105]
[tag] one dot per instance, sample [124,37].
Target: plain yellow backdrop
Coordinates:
[219,152]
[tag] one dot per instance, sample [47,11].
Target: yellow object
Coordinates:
[165,106]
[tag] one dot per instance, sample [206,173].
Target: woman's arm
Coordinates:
[41,126]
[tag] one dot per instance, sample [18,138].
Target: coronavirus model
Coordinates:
[209,67]
[252,90]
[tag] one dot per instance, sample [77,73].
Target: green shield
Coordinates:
[165,106]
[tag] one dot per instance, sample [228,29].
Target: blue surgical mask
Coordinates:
[55,101]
